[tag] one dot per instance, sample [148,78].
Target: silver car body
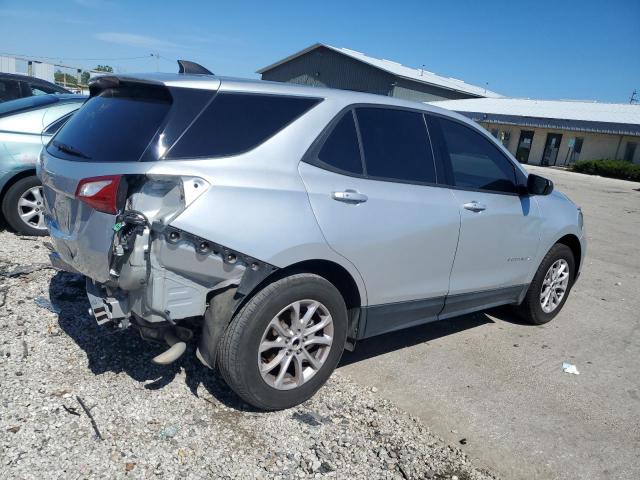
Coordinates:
[412,251]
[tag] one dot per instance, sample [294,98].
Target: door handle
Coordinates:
[475,206]
[349,196]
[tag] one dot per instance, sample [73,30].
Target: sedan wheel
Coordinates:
[22,206]
[30,206]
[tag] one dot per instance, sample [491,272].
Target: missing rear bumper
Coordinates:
[106,308]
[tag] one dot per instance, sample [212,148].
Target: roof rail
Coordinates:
[185,66]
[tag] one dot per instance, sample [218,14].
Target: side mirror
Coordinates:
[537,185]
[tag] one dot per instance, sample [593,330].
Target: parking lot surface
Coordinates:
[486,395]
[82,401]
[499,384]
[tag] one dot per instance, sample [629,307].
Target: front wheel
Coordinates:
[550,287]
[285,342]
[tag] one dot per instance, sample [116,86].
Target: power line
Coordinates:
[74,58]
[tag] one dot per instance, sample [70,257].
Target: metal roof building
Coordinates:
[557,132]
[323,65]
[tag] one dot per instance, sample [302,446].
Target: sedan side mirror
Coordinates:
[537,185]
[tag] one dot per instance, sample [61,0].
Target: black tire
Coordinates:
[10,207]
[238,350]
[531,309]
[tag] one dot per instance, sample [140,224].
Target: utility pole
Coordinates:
[633,98]
[157,55]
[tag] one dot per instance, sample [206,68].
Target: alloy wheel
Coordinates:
[30,206]
[554,285]
[295,344]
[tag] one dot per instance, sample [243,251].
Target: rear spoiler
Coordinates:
[185,66]
[104,82]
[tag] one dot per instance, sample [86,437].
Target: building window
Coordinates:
[575,147]
[630,151]
[504,138]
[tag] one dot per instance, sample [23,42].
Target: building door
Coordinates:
[630,151]
[524,146]
[551,147]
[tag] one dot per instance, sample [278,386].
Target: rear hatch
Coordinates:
[119,133]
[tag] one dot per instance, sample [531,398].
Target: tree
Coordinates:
[65,78]
[86,76]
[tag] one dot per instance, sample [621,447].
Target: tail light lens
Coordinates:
[101,193]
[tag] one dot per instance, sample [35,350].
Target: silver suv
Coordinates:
[289,222]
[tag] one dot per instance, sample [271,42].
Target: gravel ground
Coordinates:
[83,401]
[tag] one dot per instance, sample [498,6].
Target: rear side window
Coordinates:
[115,126]
[476,163]
[55,126]
[396,145]
[9,90]
[237,122]
[341,149]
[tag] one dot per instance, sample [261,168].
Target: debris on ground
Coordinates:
[569,368]
[44,303]
[93,420]
[177,421]
[21,270]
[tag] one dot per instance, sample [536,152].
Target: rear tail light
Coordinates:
[101,193]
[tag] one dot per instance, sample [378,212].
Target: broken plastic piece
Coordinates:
[569,368]
[44,303]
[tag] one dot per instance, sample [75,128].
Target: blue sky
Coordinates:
[538,49]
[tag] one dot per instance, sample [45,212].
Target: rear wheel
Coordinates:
[550,287]
[22,207]
[285,342]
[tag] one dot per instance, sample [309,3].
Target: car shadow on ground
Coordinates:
[390,342]
[400,339]
[123,351]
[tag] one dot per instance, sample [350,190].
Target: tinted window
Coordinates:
[341,149]
[396,145]
[234,123]
[115,126]
[475,161]
[37,90]
[9,90]
[55,126]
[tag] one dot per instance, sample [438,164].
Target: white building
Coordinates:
[557,132]
[33,68]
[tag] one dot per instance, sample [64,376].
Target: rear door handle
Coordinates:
[475,206]
[349,196]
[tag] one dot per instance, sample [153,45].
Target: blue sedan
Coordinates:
[26,125]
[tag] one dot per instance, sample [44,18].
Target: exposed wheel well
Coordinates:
[331,271]
[573,243]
